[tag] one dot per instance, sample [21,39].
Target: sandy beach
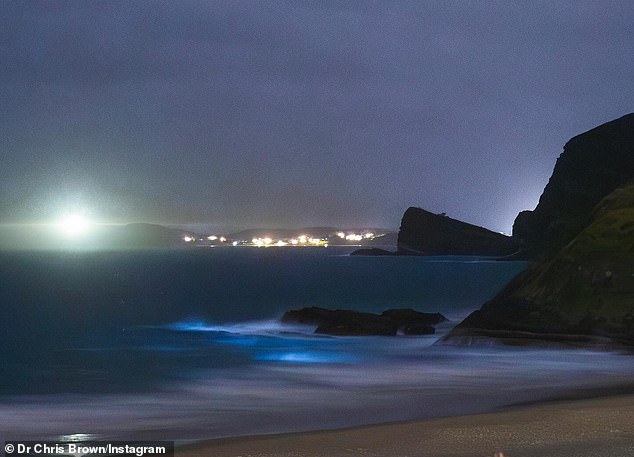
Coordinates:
[600,427]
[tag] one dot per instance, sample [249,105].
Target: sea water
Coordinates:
[188,344]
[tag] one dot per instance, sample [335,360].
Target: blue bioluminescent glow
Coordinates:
[244,341]
[194,326]
[304,357]
[264,327]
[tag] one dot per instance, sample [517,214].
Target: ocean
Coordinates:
[187,344]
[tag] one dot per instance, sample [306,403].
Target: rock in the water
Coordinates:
[425,233]
[359,326]
[354,323]
[411,316]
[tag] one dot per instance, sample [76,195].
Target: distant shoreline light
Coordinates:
[75,225]
[269,240]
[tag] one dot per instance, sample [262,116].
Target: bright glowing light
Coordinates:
[267,240]
[294,241]
[188,239]
[235,243]
[212,238]
[369,235]
[222,239]
[281,243]
[303,238]
[75,225]
[341,234]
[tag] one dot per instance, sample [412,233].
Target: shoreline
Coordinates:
[599,425]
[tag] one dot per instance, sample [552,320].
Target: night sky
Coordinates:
[271,114]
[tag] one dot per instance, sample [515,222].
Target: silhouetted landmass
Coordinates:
[591,166]
[140,235]
[426,233]
[581,289]
[280,233]
[354,323]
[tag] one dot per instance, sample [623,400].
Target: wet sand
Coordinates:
[599,427]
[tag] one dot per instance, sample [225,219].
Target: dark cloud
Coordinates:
[300,113]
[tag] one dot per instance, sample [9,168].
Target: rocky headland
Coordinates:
[426,233]
[580,287]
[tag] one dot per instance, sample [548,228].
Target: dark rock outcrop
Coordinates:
[591,166]
[354,323]
[426,233]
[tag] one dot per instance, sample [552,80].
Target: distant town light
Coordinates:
[281,243]
[212,238]
[235,243]
[369,235]
[188,239]
[222,239]
[341,234]
[294,241]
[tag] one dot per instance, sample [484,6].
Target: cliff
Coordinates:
[425,233]
[591,166]
[585,289]
[581,289]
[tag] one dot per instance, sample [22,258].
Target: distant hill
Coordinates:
[144,236]
[101,236]
[386,237]
[282,233]
[141,235]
